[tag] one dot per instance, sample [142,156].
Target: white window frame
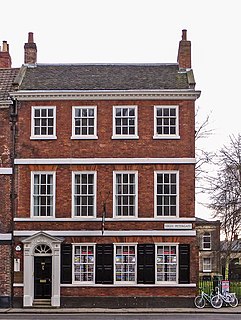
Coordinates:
[166,136]
[114,194]
[125,282]
[81,136]
[42,137]
[177,262]
[125,136]
[207,234]
[177,193]
[32,192]
[73,193]
[73,263]
[205,269]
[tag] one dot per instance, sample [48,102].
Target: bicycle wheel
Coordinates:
[233,302]
[216,302]
[199,302]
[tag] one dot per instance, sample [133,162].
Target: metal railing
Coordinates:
[209,286]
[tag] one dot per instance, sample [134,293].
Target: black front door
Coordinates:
[42,277]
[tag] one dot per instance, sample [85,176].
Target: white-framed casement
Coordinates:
[125,122]
[84,190]
[125,263]
[43,189]
[84,122]
[207,264]
[206,241]
[166,197]
[125,194]
[83,268]
[166,263]
[43,122]
[166,122]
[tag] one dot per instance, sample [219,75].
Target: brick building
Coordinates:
[208,236]
[104,182]
[7,75]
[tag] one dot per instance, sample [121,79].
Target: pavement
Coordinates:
[222,310]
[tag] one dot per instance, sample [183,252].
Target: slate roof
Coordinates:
[6,79]
[104,77]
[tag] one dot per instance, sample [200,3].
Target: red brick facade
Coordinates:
[61,255]
[104,147]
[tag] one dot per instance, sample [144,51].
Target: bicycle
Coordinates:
[228,298]
[201,300]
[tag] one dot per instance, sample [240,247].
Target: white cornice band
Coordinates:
[80,219]
[106,95]
[109,233]
[5,236]
[6,170]
[90,161]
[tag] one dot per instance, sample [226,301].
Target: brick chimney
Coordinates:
[5,58]
[184,52]
[30,50]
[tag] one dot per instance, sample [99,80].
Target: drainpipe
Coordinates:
[13,120]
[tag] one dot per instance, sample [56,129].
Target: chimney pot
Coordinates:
[184,34]
[5,46]
[30,37]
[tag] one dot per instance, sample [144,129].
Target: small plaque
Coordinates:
[178,226]
[42,281]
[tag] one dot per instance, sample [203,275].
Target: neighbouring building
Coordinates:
[7,75]
[233,250]
[104,183]
[208,236]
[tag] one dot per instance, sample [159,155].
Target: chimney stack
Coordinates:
[30,50]
[184,52]
[5,58]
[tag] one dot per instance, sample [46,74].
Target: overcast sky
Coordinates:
[95,31]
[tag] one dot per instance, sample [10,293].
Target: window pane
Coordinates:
[125,194]
[125,263]
[84,121]
[166,263]
[166,190]
[43,194]
[84,195]
[43,122]
[84,263]
[166,121]
[125,121]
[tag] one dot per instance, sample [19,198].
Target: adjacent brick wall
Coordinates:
[5,274]
[5,180]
